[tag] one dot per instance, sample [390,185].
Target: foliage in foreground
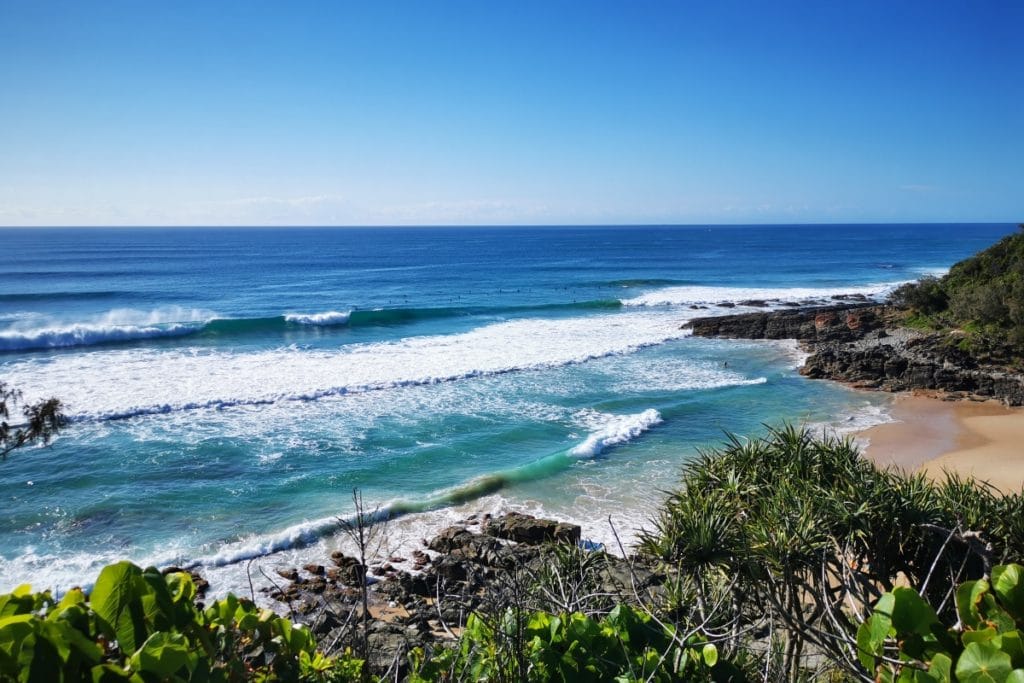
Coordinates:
[770,554]
[143,626]
[904,640]
[625,645]
[793,535]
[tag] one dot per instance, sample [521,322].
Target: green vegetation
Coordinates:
[625,645]
[904,640]
[982,296]
[764,565]
[788,534]
[142,626]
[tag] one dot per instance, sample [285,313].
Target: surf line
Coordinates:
[619,431]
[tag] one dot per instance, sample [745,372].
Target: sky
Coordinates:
[489,112]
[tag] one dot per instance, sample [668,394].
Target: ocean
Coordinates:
[229,388]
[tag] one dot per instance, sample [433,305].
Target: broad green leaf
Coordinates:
[982,636]
[116,601]
[941,667]
[881,619]
[1011,643]
[182,587]
[1008,583]
[865,647]
[162,654]
[45,664]
[67,639]
[968,597]
[109,673]
[1016,676]
[710,654]
[75,596]
[982,663]
[910,613]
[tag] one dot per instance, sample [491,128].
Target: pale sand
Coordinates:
[980,440]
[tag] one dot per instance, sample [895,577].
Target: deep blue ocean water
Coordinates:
[228,388]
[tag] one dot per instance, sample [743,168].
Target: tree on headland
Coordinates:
[43,419]
[980,300]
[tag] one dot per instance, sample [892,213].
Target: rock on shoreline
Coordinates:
[457,572]
[865,345]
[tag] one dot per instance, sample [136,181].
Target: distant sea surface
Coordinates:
[228,388]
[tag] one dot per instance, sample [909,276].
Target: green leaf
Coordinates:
[710,654]
[182,587]
[116,601]
[1016,676]
[968,597]
[1008,583]
[109,673]
[865,648]
[44,667]
[1011,643]
[910,613]
[982,663]
[982,636]
[941,667]
[162,654]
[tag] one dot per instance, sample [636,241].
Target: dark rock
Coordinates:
[530,530]
[449,539]
[450,568]
[315,569]
[289,574]
[864,345]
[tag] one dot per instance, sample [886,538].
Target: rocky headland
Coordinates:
[867,345]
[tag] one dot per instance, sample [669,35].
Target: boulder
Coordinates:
[530,530]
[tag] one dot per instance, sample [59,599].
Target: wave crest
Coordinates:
[325,319]
[618,431]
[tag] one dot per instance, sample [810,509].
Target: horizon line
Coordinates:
[498,225]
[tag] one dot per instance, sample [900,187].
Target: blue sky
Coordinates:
[335,113]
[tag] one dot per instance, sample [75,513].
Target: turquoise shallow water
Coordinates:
[229,388]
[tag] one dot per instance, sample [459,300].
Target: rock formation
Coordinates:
[865,345]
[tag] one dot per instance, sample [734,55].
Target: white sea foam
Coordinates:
[703,295]
[127,382]
[118,325]
[932,272]
[325,319]
[619,430]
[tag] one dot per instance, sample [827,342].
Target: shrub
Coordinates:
[143,626]
[903,639]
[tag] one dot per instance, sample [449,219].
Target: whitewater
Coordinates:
[229,388]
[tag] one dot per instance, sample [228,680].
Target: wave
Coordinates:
[696,295]
[116,328]
[619,431]
[319,319]
[84,335]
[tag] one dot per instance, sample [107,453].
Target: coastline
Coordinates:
[979,439]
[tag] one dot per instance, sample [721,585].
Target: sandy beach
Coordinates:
[984,440]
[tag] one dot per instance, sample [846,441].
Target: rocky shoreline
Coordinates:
[482,565]
[866,346]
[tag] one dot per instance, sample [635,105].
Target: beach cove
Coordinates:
[979,440]
[243,382]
